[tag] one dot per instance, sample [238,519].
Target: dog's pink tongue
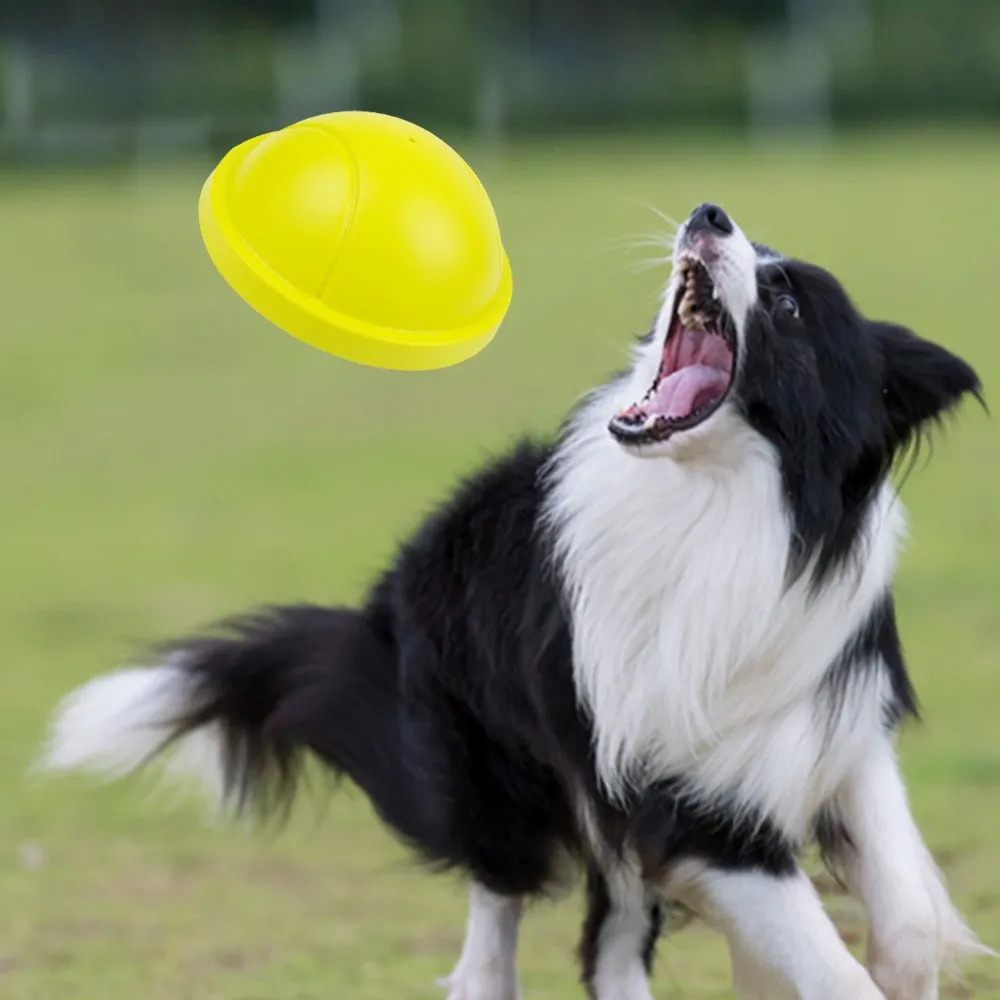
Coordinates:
[684,391]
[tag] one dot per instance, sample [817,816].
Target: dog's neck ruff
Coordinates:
[693,654]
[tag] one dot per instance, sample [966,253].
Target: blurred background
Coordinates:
[168,457]
[96,79]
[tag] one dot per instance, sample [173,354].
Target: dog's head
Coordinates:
[746,335]
[745,331]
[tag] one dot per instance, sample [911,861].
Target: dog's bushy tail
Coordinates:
[240,709]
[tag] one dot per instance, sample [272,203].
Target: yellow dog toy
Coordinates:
[362,235]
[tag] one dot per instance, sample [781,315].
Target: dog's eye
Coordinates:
[787,305]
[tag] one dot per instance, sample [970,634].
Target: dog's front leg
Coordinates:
[914,929]
[619,933]
[752,980]
[782,942]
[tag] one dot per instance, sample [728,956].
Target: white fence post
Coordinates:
[789,83]
[18,91]
[490,105]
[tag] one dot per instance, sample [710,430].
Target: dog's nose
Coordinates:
[708,218]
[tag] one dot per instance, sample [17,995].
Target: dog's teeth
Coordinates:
[715,293]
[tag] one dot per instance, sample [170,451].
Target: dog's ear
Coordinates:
[921,381]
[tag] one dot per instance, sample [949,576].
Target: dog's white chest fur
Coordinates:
[694,657]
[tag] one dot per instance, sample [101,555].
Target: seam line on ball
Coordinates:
[348,221]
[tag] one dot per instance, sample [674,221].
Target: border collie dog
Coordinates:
[663,646]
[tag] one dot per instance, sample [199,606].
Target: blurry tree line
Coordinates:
[279,12]
[499,65]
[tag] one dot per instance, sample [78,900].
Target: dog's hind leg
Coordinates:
[487,967]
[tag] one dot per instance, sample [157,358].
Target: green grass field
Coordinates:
[167,458]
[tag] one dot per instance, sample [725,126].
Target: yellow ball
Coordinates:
[363,235]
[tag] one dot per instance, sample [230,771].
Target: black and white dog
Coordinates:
[664,647]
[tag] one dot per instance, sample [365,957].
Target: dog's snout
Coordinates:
[709,218]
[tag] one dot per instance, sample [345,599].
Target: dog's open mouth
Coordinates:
[696,368]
